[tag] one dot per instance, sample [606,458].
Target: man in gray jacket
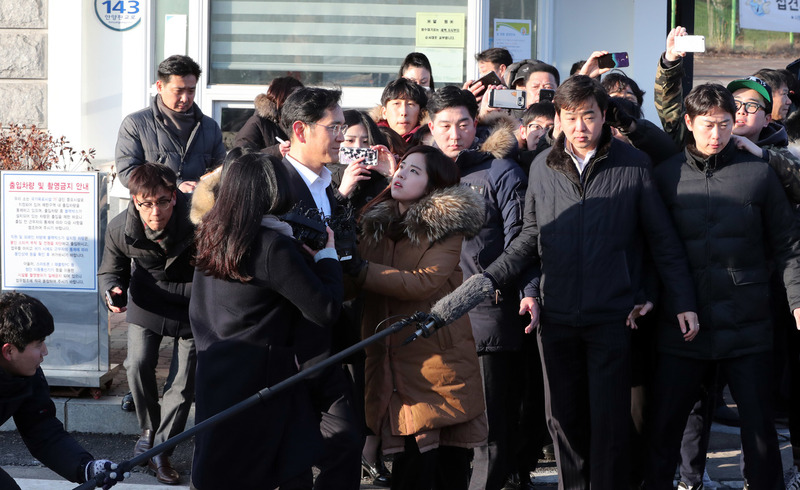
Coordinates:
[172,131]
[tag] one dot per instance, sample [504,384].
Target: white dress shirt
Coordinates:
[317,184]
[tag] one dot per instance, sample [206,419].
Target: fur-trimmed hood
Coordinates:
[266,108]
[204,196]
[496,134]
[444,212]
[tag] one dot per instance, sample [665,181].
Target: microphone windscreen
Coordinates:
[464,298]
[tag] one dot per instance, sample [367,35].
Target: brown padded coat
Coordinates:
[413,259]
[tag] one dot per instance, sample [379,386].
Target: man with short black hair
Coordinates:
[590,204]
[493,59]
[24,325]
[314,121]
[496,326]
[172,131]
[533,77]
[736,225]
[154,233]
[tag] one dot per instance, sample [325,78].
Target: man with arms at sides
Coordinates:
[172,131]
[590,203]
[314,121]
[156,235]
[24,395]
[495,324]
[734,220]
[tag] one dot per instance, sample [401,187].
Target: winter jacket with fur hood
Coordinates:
[584,232]
[432,387]
[260,130]
[487,170]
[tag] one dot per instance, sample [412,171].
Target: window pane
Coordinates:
[323,41]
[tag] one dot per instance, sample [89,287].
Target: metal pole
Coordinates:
[733,22]
[248,403]
[673,14]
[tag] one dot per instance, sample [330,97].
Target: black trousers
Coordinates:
[340,467]
[588,394]
[6,482]
[677,388]
[444,468]
[492,463]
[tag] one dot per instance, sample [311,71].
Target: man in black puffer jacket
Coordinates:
[590,203]
[155,233]
[496,325]
[733,218]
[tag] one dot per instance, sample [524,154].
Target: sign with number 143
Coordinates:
[119,15]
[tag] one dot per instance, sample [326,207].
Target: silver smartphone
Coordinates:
[507,99]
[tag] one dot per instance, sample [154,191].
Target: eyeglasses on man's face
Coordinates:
[749,107]
[161,204]
[334,128]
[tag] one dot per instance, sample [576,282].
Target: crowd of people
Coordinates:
[635,270]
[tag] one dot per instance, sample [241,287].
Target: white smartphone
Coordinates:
[690,44]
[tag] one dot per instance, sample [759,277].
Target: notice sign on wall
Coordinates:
[49,230]
[441,29]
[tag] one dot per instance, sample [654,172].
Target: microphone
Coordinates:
[453,306]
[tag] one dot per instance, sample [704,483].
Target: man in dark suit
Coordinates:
[314,122]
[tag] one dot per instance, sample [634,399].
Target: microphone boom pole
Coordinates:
[249,402]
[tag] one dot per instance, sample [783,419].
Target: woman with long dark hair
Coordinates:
[257,294]
[425,399]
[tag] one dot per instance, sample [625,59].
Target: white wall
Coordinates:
[636,26]
[96,76]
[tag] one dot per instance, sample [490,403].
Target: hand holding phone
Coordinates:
[115,300]
[690,44]
[348,155]
[507,99]
[614,60]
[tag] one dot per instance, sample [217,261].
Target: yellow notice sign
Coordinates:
[441,29]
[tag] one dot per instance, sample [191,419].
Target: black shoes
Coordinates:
[378,473]
[127,403]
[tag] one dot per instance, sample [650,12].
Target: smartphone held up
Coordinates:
[507,99]
[690,44]
[614,60]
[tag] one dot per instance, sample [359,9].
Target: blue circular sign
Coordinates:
[119,15]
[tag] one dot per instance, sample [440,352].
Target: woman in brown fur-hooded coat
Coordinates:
[430,389]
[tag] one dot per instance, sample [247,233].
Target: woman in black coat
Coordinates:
[263,127]
[255,287]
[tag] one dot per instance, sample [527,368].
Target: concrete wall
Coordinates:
[635,26]
[23,72]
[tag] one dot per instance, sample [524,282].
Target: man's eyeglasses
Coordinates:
[161,204]
[536,127]
[749,107]
[335,128]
